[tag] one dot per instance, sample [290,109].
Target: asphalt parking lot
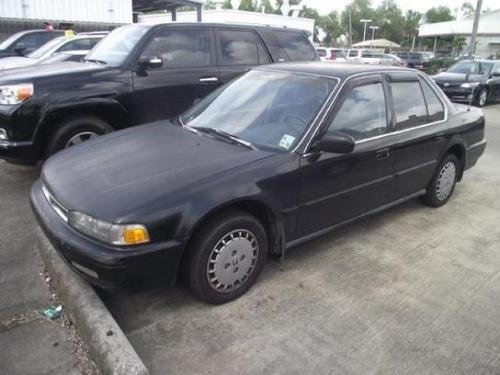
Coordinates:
[411,290]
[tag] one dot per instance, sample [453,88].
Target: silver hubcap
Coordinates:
[232,260]
[482,97]
[80,137]
[446,180]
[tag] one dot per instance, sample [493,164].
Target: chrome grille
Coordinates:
[56,206]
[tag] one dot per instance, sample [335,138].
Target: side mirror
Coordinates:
[20,49]
[150,61]
[337,143]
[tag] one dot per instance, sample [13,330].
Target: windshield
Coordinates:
[115,47]
[49,46]
[11,39]
[471,67]
[271,110]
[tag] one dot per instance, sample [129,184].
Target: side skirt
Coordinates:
[308,237]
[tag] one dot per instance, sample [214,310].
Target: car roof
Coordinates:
[225,25]
[341,71]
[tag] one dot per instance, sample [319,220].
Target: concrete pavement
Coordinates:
[411,290]
[29,344]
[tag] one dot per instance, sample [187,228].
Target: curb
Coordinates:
[113,354]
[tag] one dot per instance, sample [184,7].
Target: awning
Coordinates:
[377,43]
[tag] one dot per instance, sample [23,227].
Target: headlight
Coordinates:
[468,85]
[15,94]
[116,234]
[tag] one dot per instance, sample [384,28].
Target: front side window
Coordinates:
[363,114]
[46,48]
[79,44]
[296,46]
[435,108]
[321,52]
[238,47]
[114,49]
[409,104]
[181,48]
[269,109]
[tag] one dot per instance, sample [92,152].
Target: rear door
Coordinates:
[238,50]
[188,72]
[495,82]
[337,187]
[419,116]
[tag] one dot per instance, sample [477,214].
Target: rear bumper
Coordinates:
[108,267]
[473,153]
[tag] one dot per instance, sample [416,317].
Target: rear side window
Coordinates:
[79,44]
[353,53]
[183,48]
[321,52]
[296,46]
[409,104]
[237,47]
[435,108]
[363,113]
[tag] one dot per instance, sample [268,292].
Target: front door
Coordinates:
[337,187]
[495,83]
[187,72]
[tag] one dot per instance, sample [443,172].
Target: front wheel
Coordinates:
[443,183]
[226,257]
[75,131]
[482,97]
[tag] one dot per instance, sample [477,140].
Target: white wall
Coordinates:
[109,11]
[235,17]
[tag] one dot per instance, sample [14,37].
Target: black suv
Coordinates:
[415,60]
[24,42]
[138,73]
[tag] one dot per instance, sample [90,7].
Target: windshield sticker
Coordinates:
[287,141]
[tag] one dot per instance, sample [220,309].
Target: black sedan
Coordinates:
[279,156]
[471,81]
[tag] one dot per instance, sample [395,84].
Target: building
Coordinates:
[488,34]
[79,15]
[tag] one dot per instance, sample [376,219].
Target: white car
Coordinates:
[331,54]
[55,46]
[362,56]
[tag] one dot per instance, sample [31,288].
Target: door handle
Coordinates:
[208,79]
[439,137]
[382,154]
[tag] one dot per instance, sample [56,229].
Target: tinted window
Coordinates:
[296,46]
[241,48]
[496,69]
[35,40]
[353,53]
[321,52]
[409,105]
[363,113]
[79,44]
[183,48]
[435,108]
[471,67]
[366,54]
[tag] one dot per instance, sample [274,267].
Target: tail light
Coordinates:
[332,56]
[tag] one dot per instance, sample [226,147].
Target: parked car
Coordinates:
[281,155]
[364,56]
[138,73]
[25,42]
[331,54]
[415,60]
[475,81]
[54,46]
[389,59]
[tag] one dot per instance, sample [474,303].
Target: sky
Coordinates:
[326,6]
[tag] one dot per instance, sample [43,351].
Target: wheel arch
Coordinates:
[457,149]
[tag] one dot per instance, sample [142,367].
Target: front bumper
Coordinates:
[458,94]
[108,267]
[19,152]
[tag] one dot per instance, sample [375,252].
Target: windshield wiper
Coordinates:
[224,135]
[97,61]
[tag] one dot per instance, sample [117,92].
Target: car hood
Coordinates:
[14,62]
[455,78]
[114,175]
[28,73]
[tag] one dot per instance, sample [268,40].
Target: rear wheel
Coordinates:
[75,131]
[443,183]
[225,257]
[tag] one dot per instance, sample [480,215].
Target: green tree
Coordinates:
[390,20]
[439,14]
[410,26]
[268,7]
[357,9]
[331,26]
[227,5]
[307,12]
[248,5]
[209,4]
[467,9]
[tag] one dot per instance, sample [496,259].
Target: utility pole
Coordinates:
[475,25]
[350,28]
[373,28]
[364,21]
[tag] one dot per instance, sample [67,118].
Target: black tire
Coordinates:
[478,100]
[196,265]
[433,197]
[74,126]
